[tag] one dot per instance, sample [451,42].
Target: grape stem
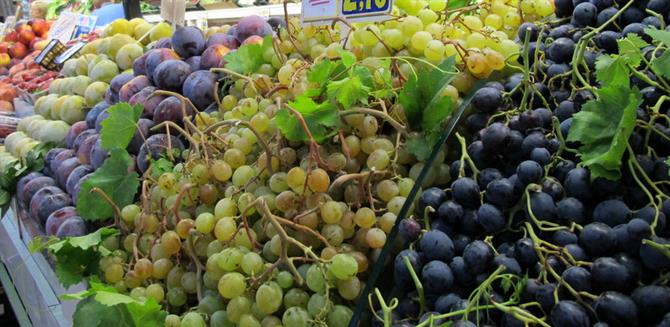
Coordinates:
[172,124]
[417,283]
[117,211]
[465,157]
[236,74]
[313,145]
[198,264]
[386,309]
[283,238]
[261,141]
[290,35]
[177,202]
[372,112]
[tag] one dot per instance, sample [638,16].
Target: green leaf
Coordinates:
[77,257]
[348,91]
[104,306]
[630,47]
[612,71]
[248,57]
[603,127]
[319,118]
[419,147]
[348,58]
[659,35]
[5,197]
[455,4]
[115,180]
[161,166]
[423,100]
[320,72]
[118,129]
[661,65]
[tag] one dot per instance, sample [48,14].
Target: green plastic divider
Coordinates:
[454,118]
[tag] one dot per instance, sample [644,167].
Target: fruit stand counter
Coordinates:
[29,280]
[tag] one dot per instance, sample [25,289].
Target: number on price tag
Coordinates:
[365,7]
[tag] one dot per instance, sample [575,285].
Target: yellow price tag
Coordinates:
[355,7]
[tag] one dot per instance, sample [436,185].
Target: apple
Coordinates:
[40,27]
[4,59]
[26,36]
[4,47]
[39,44]
[12,36]
[18,50]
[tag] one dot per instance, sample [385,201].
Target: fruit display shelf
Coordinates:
[231,15]
[28,278]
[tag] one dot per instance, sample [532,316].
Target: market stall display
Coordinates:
[505,163]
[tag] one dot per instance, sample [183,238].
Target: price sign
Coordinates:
[63,29]
[358,8]
[319,11]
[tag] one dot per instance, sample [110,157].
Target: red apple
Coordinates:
[12,36]
[4,47]
[18,50]
[40,27]
[26,36]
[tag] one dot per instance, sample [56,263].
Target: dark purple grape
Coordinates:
[436,245]
[437,277]
[569,314]
[597,239]
[616,309]
[465,191]
[409,229]
[477,256]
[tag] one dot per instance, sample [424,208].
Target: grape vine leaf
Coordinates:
[612,70]
[76,257]
[113,178]
[103,306]
[348,91]
[661,65]
[118,129]
[321,71]
[248,57]
[347,57]
[422,98]
[160,166]
[320,118]
[455,4]
[659,35]
[630,47]
[603,127]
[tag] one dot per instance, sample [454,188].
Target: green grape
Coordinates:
[230,259]
[232,285]
[210,304]
[349,289]
[204,223]
[387,189]
[296,297]
[200,174]
[144,268]
[156,292]
[333,233]
[225,229]
[176,296]
[244,238]
[170,242]
[256,312]
[386,221]
[428,16]
[173,278]
[111,243]
[396,204]
[226,207]
[343,266]
[405,186]
[212,266]
[114,273]
[295,179]
[220,319]
[132,280]
[247,320]
[193,319]
[365,217]
[331,212]
[189,282]
[244,203]
[410,25]
[339,316]
[243,175]
[214,246]
[271,321]
[296,317]
[277,182]
[437,5]
[434,51]
[543,7]
[172,320]
[252,264]
[184,226]
[260,122]
[315,279]
[221,170]
[285,74]
[268,298]
[286,201]
[130,212]
[243,145]
[237,307]
[234,157]
[228,102]
[318,305]
[285,279]
[375,238]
